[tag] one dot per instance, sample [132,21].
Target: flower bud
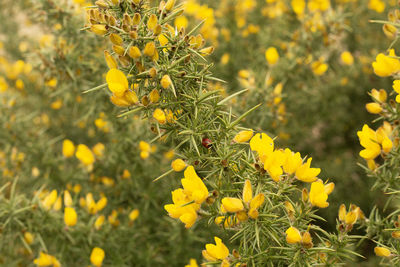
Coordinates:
[169,5]
[149,49]
[342,213]
[134,52]
[373,108]
[118,49]
[136,19]
[159,115]
[101,4]
[207,50]
[97,256]
[271,55]
[133,35]
[351,218]
[306,240]
[231,204]
[152,22]
[243,136]
[178,165]
[116,39]
[70,216]
[165,81]
[110,60]
[98,29]
[389,30]
[293,235]
[382,252]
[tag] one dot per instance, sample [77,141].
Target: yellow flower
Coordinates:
[194,191]
[342,213]
[369,141]
[350,218]
[347,58]
[386,65]
[194,186]
[51,83]
[126,174]
[373,108]
[98,29]
[152,22]
[271,55]
[377,5]
[68,148]
[46,260]
[58,204]
[306,240]
[232,204]
[263,144]
[97,256]
[168,6]
[165,81]
[29,238]
[134,52]
[70,216]
[389,30]
[396,88]
[56,104]
[225,59]
[154,96]
[319,67]
[247,192]
[396,234]
[187,213]
[98,149]
[99,222]
[49,200]
[255,203]
[188,219]
[162,39]
[306,174]
[117,82]
[145,149]
[110,60]
[382,252]
[273,164]
[216,252]
[159,115]
[181,22]
[243,136]
[298,7]
[85,155]
[292,161]
[3,84]
[318,194]
[207,50]
[133,215]
[321,5]
[381,95]
[293,235]
[178,165]
[192,263]
[101,204]
[150,49]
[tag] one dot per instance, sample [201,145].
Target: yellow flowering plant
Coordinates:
[121,146]
[210,141]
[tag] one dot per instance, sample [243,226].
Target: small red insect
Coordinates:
[207,143]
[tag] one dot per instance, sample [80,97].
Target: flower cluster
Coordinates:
[188,200]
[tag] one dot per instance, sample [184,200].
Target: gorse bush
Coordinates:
[142,133]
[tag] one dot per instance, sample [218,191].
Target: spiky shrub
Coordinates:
[160,73]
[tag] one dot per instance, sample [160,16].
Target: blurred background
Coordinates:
[309,68]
